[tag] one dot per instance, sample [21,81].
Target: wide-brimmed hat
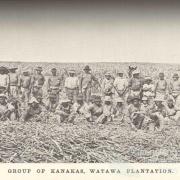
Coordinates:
[107,74]
[25,70]
[72,71]
[148,78]
[132,67]
[4,69]
[39,97]
[13,69]
[176,75]
[52,95]
[144,98]
[135,72]
[119,100]
[120,72]
[32,100]
[95,98]
[160,99]
[3,96]
[87,68]
[107,99]
[64,100]
[38,68]
[132,98]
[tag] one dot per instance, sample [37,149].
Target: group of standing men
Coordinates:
[137,100]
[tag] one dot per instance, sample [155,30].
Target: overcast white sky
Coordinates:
[89,34]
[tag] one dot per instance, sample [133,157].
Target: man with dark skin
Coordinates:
[161,87]
[174,89]
[71,85]
[86,81]
[4,80]
[135,85]
[54,83]
[14,80]
[107,85]
[37,82]
[135,113]
[33,110]
[25,86]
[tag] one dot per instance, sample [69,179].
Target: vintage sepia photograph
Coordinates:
[89,113]
[89,89]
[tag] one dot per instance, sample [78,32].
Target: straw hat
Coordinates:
[38,68]
[64,100]
[136,72]
[32,100]
[13,69]
[107,99]
[144,98]
[175,75]
[160,99]
[95,98]
[119,99]
[148,78]
[134,98]
[71,71]
[3,96]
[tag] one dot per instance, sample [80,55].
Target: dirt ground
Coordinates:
[47,141]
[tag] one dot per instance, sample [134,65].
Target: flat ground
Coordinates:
[49,141]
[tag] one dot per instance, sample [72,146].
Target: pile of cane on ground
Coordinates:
[47,140]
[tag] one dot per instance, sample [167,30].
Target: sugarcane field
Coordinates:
[89,113]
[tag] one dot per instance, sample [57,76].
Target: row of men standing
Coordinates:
[26,84]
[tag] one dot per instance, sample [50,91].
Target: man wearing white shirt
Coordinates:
[71,86]
[4,80]
[120,85]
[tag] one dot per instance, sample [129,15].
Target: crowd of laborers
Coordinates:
[137,101]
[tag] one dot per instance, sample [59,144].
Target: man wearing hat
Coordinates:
[146,106]
[25,86]
[4,112]
[86,81]
[135,84]
[63,110]
[108,110]
[14,81]
[52,102]
[42,105]
[107,85]
[131,68]
[71,85]
[79,109]
[136,113]
[37,82]
[174,89]
[120,85]
[148,88]
[4,80]
[158,112]
[33,109]
[54,84]
[95,109]
[173,112]
[161,86]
